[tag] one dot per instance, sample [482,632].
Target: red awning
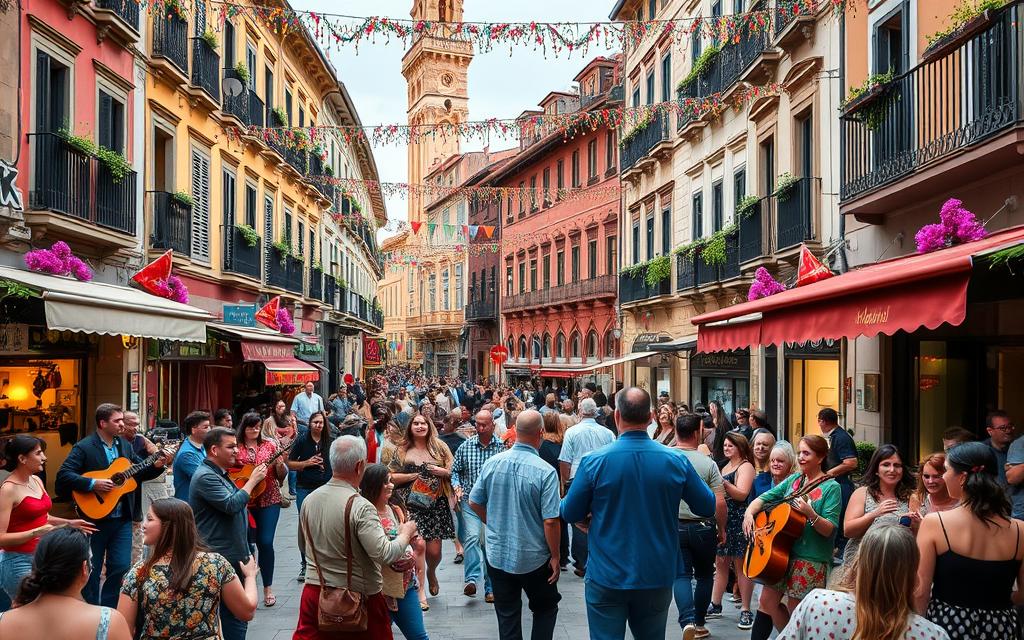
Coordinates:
[281,364]
[904,293]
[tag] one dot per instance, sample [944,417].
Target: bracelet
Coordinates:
[815,521]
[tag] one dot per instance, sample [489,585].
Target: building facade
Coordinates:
[395,291]
[752,180]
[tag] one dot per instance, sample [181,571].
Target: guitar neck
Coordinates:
[140,466]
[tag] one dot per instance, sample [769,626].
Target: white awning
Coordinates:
[629,357]
[109,309]
[255,334]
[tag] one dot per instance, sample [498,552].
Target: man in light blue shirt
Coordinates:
[516,496]
[306,404]
[190,453]
[627,494]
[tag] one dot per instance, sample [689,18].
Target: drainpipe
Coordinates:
[841,254]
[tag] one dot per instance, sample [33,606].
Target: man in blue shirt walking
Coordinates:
[516,496]
[627,494]
[190,453]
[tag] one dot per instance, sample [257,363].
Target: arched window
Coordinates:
[442,11]
[522,347]
[511,347]
[609,345]
[547,345]
[575,342]
[560,346]
[592,344]
[535,343]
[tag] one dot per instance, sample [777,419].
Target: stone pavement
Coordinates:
[452,615]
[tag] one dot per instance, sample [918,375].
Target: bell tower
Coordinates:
[436,72]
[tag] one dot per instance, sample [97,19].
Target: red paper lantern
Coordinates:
[267,316]
[348,379]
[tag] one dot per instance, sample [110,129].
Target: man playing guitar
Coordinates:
[112,541]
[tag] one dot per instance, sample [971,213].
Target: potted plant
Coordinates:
[967,19]
[713,251]
[746,206]
[283,248]
[210,38]
[242,71]
[867,92]
[249,234]
[183,199]
[279,116]
[699,66]
[784,186]
[658,270]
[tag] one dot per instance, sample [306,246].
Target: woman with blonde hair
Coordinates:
[421,470]
[932,495]
[876,602]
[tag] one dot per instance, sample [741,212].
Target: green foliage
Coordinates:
[183,198]
[243,72]
[210,38]
[12,289]
[248,234]
[658,270]
[114,161]
[962,14]
[635,270]
[317,265]
[280,116]
[328,170]
[745,208]
[864,452]
[78,143]
[713,251]
[784,186]
[699,66]
[641,124]
[873,113]
[1007,257]
[283,248]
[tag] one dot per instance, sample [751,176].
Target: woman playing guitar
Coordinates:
[811,555]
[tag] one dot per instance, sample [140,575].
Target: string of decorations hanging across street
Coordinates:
[568,125]
[474,192]
[337,30]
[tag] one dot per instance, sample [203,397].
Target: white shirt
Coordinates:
[580,439]
[833,614]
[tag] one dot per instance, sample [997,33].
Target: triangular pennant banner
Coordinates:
[415,227]
[431,227]
[267,316]
[473,230]
[465,231]
[811,269]
[153,275]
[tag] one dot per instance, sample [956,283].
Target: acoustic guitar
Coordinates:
[121,472]
[241,475]
[777,527]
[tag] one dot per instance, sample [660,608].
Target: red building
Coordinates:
[559,250]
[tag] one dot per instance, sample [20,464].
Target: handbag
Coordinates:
[339,609]
[421,494]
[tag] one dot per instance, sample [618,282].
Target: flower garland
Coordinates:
[956,225]
[59,261]
[172,288]
[764,285]
[479,193]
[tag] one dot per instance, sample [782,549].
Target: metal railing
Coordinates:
[256,109]
[316,284]
[645,140]
[686,272]
[942,106]
[341,303]
[635,288]
[239,256]
[786,12]
[752,231]
[126,10]
[297,158]
[206,68]
[569,292]
[237,106]
[330,290]
[277,271]
[485,309]
[77,184]
[794,218]
[172,223]
[294,274]
[170,40]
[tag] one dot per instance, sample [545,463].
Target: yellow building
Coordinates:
[394,290]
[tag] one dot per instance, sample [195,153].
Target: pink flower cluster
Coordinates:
[956,225]
[284,319]
[173,289]
[59,261]
[764,285]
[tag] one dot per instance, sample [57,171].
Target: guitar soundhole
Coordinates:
[118,479]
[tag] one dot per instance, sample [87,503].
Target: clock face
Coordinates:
[447,79]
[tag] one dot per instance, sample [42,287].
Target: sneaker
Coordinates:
[302,577]
[746,620]
[714,611]
[700,632]
[689,632]
[735,598]
[489,597]
[470,589]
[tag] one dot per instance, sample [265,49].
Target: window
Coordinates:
[201,206]
[111,122]
[592,259]
[737,6]
[546,353]
[535,344]
[52,93]
[268,234]
[301,238]
[250,205]
[666,78]
[609,152]
[666,231]
[268,91]
[288,229]
[472,284]
[533,275]
[717,206]
[228,188]
[768,166]
[432,291]
[890,47]
[522,189]
[609,345]
[229,45]
[288,105]
[533,193]
[522,277]
[592,344]
[494,281]
[560,268]
[636,242]
[652,9]
[636,96]
[611,255]
[546,270]
[522,347]
[250,64]
[459,299]
[739,186]
[199,11]
[592,161]
[649,236]
[302,117]
[695,47]
[805,130]
[575,263]
[508,281]
[547,186]
[698,216]
[574,348]
[560,346]
[576,168]
[650,87]
[559,178]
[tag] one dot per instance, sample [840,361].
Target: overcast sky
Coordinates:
[500,85]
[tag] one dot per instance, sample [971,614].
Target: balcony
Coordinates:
[237,107]
[277,269]
[256,109]
[948,122]
[316,284]
[330,291]
[686,272]
[341,302]
[752,236]
[607,91]
[120,17]
[170,46]
[239,256]
[172,223]
[294,275]
[436,323]
[644,142]
[482,310]
[297,158]
[795,214]
[377,318]
[794,22]
[757,57]
[205,73]
[315,171]
[692,272]
[75,195]
[636,289]
[569,293]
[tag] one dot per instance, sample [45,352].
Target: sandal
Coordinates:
[424,606]
[435,588]
[459,558]
[269,601]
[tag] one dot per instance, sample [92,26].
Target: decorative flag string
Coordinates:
[478,193]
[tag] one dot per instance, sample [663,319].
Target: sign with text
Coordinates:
[267,351]
[240,315]
[373,355]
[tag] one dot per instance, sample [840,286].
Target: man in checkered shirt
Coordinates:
[469,459]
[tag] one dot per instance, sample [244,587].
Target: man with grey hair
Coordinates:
[516,496]
[581,439]
[334,520]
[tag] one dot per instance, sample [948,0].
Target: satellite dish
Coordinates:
[233,87]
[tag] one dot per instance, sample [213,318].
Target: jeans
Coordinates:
[697,544]
[231,627]
[300,495]
[579,548]
[608,611]
[474,566]
[563,543]
[508,602]
[292,475]
[13,567]
[111,543]
[263,536]
[409,617]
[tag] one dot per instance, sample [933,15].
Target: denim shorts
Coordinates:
[13,567]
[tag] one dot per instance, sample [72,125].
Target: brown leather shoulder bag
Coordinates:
[339,609]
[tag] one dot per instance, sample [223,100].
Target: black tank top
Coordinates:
[971,583]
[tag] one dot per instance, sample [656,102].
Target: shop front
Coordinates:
[721,377]
[652,371]
[264,368]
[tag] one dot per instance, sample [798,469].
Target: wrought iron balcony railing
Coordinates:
[238,105]
[170,40]
[794,217]
[644,141]
[239,256]
[206,68]
[126,10]
[635,288]
[172,223]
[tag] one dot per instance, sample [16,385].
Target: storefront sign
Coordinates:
[275,378]
[168,350]
[373,353]
[812,348]
[14,338]
[241,315]
[727,361]
[133,390]
[308,351]
[644,340]
[263,351]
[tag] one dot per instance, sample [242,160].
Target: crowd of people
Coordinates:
[645,500]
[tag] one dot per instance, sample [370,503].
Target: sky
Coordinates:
[500,85]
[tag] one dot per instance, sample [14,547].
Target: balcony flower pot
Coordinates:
[947,42]
[862,99]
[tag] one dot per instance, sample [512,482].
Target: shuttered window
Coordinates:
[201,206]
[51,89]
[268,233]
[111,122]
[250,205]
[228,198]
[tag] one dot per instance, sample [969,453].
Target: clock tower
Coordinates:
[436,71]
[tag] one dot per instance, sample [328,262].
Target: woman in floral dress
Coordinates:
[178,590]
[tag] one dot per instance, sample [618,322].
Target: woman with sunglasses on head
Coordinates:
[265,509]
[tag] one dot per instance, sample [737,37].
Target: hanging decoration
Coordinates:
[284,321]
[59,261]
[764,285]
[956,225]
[478,193]
[810,268]
[268,314]
[156,278]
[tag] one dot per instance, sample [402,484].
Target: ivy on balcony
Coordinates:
[644,122]
[700,65]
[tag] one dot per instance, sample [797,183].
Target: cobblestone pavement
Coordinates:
[452,616]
